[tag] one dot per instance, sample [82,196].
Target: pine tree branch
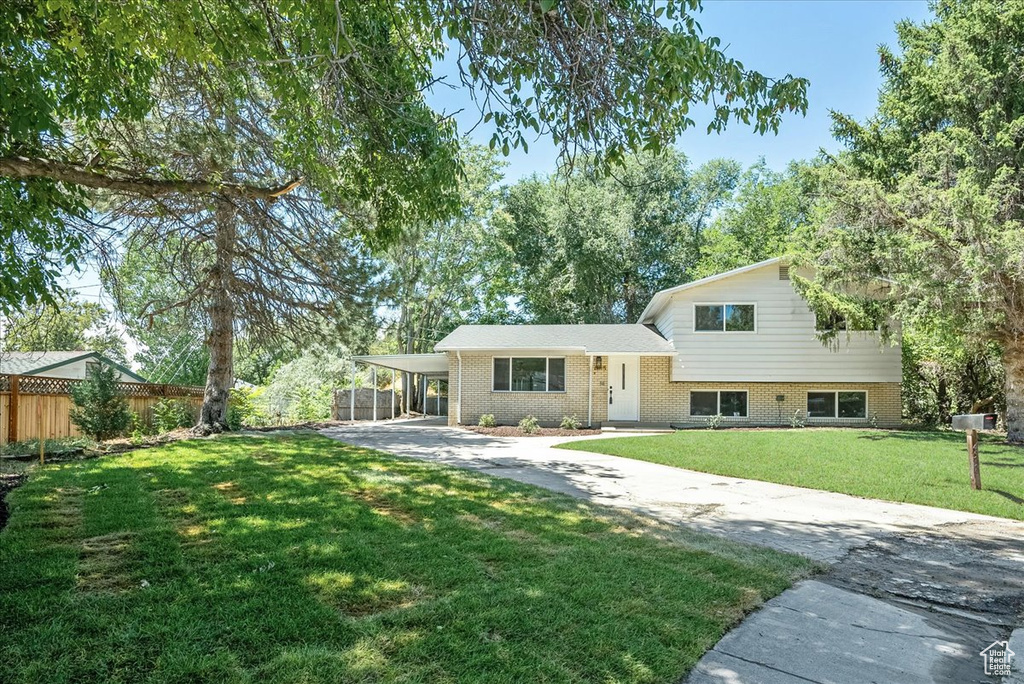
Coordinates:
[122,180]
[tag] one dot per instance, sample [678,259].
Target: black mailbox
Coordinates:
[975,421]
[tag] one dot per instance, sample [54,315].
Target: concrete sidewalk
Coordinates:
[914,593]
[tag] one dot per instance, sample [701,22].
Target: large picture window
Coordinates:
[724,317]
[528,374]
[838,404]
[730,403]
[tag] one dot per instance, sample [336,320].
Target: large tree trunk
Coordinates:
[1013,363]
[220,342]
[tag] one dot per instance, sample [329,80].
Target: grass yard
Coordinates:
[918,467]
[300,559]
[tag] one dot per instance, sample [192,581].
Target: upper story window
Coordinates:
[528,374]
[724,317]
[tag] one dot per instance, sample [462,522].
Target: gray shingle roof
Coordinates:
[626,338]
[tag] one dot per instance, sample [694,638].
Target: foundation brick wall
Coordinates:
[665,401]
[661,400]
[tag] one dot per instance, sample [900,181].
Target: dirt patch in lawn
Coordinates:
[513,431]
[231,491]
[103,563]
[380,504]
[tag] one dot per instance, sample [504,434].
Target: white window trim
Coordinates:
[867,403]
[547,375]
[723,331]
[718,404]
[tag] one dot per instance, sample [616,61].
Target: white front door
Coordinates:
[623,388]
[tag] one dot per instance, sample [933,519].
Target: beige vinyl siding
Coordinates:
[783,348]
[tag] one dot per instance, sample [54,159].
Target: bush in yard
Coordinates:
[97,408]
[243,409]
[311,404]
[171,414]
[487,420]
[137,429]
[713,422]
[797,420]
[570,423]
[301,389]
[529,425]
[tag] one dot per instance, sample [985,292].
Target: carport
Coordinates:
[416,370]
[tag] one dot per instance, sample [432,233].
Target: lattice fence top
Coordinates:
[32,384]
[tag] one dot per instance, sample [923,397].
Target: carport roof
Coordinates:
[430,365]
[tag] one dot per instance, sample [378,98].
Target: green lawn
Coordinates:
[919,467]
[299,559]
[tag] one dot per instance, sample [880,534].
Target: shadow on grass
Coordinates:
[1015,499]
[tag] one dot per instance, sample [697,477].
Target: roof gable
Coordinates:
[660,299]
[35,362]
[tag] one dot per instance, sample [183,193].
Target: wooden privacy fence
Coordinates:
[33,407]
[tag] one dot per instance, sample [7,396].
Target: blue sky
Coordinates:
[831,42]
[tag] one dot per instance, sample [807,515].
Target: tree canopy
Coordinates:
[602,76]
[68,325]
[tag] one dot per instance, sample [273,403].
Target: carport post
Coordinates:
[352,394]
[394,378]
[375,393]
[458,405]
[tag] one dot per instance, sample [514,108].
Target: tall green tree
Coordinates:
[437,271]
[67,325]
[760,219]
[930,194]
[585,247]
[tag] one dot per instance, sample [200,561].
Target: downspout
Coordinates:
[590,394]
[458,408]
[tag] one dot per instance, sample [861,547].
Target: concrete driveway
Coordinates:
[913,593]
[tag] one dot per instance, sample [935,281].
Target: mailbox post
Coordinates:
[971,423]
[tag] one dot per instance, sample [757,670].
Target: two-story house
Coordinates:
[742,345]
